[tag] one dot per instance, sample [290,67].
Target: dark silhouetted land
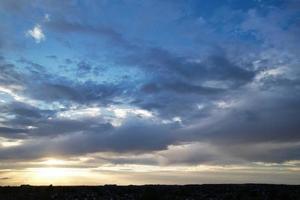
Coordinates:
[153,192]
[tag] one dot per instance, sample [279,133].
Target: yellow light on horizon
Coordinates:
[53,161]
[51,173]
[55,169]
[6,143]
[57,175]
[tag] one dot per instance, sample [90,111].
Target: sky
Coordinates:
[149,92]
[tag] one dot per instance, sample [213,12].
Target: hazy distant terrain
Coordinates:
[153,192]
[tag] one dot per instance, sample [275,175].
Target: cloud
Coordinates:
[93,136]
[36,33]
[12,132]
[83,68]
[68,92]
[220,92]
[47,18]
[168,65]
[107,32]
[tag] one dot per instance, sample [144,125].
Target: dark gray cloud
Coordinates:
[101,31]
[92,137]
[22,110]
[71,92]
[12,132]
[265,152]
[179,87]
[8,75]
[215,67]
[176,83]
[259,119]
[56,91]
[14,6]
[52,57]
[83,68]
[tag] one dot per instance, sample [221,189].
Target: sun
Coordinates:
[51,173]
[52,169]
[56,175]
[53,162]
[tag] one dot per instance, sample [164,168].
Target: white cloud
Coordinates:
[12,90]
[269,73]
[6,143]
[36,33]
[117,114]
[47,17]
[79,113]
[176,119]
[223,104]
[200,106]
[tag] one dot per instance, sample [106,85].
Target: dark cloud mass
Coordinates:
[192,85]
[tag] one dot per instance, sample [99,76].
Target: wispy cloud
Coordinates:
[36,33]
